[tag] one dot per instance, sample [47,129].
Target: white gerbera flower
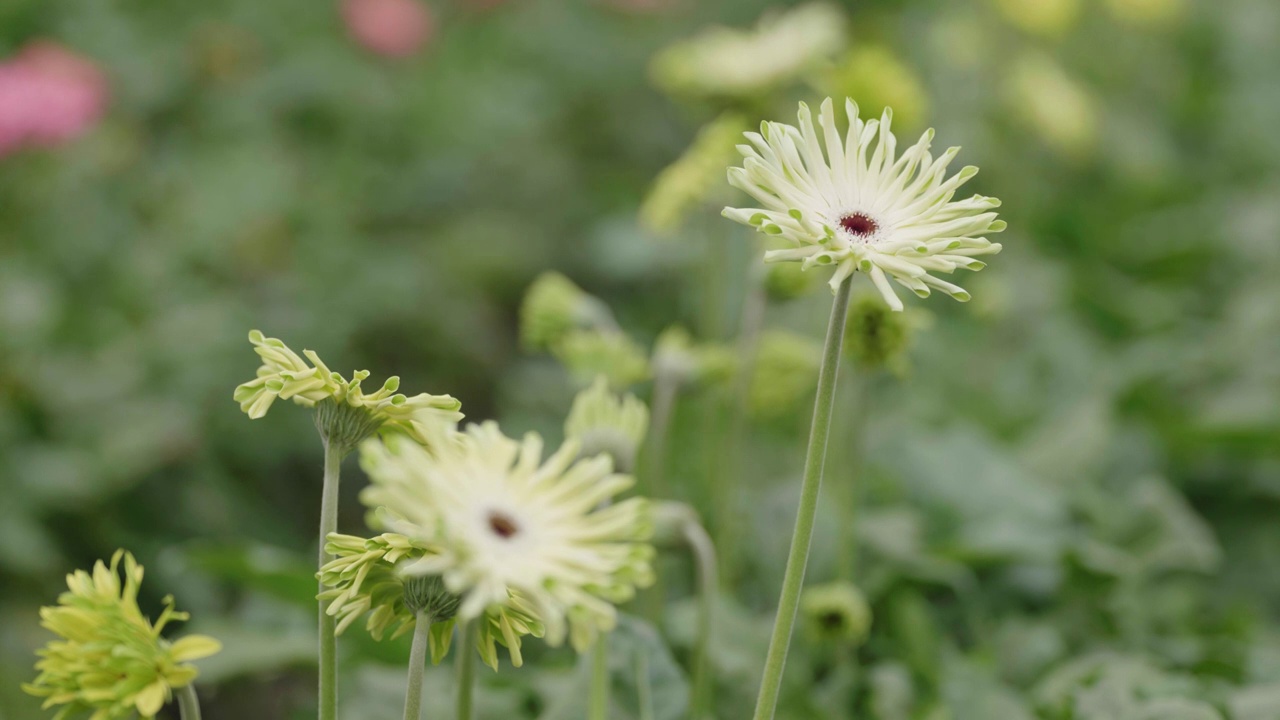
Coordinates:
[500,523]
[861,206]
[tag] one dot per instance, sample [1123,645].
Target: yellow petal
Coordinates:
[194,647]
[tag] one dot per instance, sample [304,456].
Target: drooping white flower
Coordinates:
[502,523]
[859,206]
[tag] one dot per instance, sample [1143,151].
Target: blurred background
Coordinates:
[1067,490]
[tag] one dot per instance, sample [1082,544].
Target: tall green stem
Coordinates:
[802,538]
[466,671]
[598,699]
[417,666]
[188,703]
[333,453]
[665,389]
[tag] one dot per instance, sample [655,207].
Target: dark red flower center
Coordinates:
[502,525]
[859,225]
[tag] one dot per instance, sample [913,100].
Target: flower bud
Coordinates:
[836,613]
[875,336]
[603,422]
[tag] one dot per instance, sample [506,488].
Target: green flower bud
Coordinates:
[875,336]
[836,613]
[787,281]
[111,660]
[588,354]
[554,306]
[603,422]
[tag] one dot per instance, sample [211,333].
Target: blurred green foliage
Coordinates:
[1066,508]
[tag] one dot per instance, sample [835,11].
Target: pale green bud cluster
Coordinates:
[836,613]
[589,354]
[554,307]
[373,577]
[111,660]
[602,422]
[287,376]
[694,177]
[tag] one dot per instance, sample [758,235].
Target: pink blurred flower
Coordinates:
[48,96]
[393,28]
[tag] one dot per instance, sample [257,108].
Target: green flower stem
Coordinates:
[598,699]
[417,666]
[815,460]
[665,391]
[704,555]
[188,703]
[466,671]
[644,688]
[333,454]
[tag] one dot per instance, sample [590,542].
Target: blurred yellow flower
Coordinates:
[1050,18]
[1147,13]
[1044,97]
[111,660]
[877,78]
[725,62]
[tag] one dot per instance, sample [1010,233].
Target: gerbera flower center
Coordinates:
[502,525]
[859,224]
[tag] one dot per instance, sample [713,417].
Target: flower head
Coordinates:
[502,526]
[602,422]
[287,376]
[391,28]
[48,96]
[860,207]
[554,306]
[724,62]
[677,355]
[836,613]
[367,576]
[111,659]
